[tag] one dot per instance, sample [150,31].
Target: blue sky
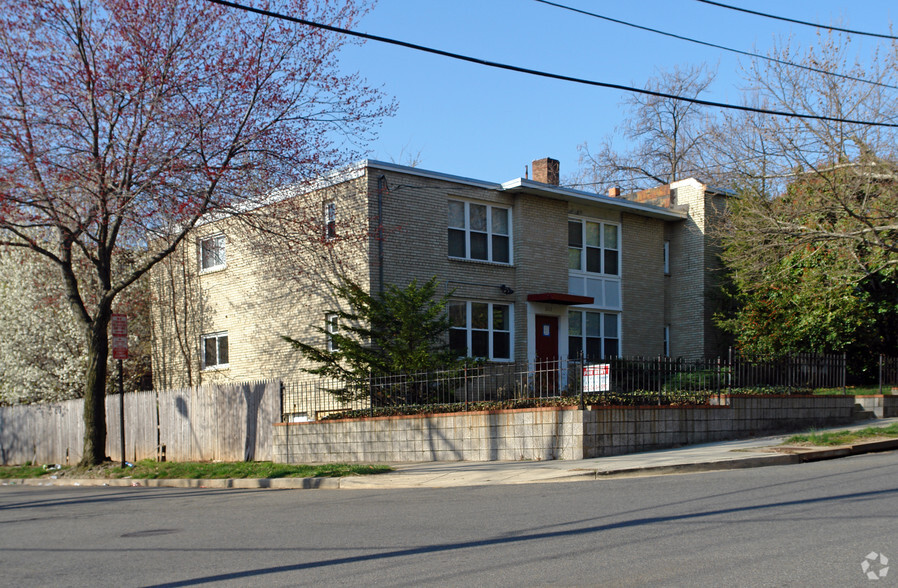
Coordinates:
[483,123]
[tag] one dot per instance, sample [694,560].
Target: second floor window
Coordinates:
[479,232]
[667,257]
[593,247]
[212,253]
[330,219]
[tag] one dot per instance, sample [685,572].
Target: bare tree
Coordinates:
[668,136]
[805,182]
[811,239]
[122,124]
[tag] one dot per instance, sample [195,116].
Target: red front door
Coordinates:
[546,337]
[546,366]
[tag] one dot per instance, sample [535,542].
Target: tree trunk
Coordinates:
[95,391]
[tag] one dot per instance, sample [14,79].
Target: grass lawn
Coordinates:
[149,469]
[844,437]
[853,391]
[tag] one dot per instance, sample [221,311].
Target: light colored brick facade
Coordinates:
[270,286]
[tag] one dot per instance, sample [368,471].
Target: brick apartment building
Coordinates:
[536,271]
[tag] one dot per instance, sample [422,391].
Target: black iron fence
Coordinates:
[888,374]
[626,381]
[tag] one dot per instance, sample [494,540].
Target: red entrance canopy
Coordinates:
[558,298]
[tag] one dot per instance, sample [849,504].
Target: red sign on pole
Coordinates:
[119,327]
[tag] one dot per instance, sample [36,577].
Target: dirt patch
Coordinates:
[102,470]
[795,449]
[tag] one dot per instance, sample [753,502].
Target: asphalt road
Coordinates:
[804,525]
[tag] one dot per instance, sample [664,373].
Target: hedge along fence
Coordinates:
[229,422]
[629,381]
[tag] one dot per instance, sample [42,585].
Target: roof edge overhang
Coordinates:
[524,186]
[559,298]
[416,171]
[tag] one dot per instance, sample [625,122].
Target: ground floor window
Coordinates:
[215,350]
[594,334]
[480,329]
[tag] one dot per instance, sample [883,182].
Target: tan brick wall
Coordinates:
[271,286]
[692,287]
[643,284]
[416,244]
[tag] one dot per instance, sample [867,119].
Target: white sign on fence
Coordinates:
[597,377]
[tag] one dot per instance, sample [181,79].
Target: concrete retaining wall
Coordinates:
[550,433]
[882,406]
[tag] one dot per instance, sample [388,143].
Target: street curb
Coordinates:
[229,483]
[846,450]
[360,482]
[698,467]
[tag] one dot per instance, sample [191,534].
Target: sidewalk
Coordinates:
[725,455]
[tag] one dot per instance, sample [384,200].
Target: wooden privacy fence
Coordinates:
[230,422]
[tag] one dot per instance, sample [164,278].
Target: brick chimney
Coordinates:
[614,192]
[546,171]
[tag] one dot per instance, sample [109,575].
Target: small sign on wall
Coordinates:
[597,377]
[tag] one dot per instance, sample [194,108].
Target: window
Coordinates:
[594,262]
[480,329]
[667,257]
[593,247]
[331,328]
[595,334]
[212,253]
[215,350]
[330,220]
[479,231]
[666,340]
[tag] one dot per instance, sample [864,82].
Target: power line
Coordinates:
[713,45]
[545,74]
[801,22]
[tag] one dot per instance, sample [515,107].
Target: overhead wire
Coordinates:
[714,45]
[796,21]
[545,74]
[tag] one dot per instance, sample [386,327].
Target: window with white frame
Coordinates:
[667,257]
[212,253]
[479,232]
[480,329]
[214,350]
[593,247]
[330,221]
[594,334]
[594,262]
[331,328]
